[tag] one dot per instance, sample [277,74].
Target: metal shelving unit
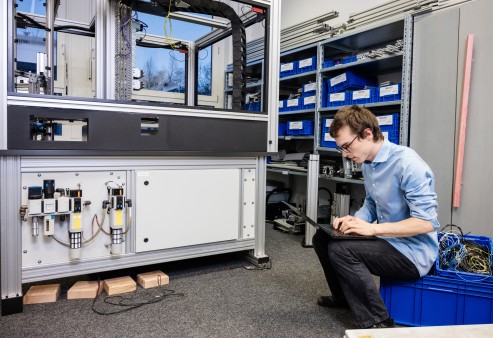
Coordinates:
[394,67]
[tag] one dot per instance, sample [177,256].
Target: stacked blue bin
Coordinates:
[326,140]
[308,95]
[293,104]
[281,130]
[252,106]
[328,63]
[300,128]
[389,93]
[309,89]
[364,96]
[389,124]
[282,106]
[338,99]
[447,298]
[349,80]
[289,68]
[307,65]
[484,242]
[308,102]
[436,300]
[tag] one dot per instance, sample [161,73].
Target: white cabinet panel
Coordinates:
[177,208]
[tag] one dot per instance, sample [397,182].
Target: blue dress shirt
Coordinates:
[400,185]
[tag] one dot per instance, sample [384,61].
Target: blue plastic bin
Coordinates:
[349,80]
[282,106]
[308,102]
[389,124]
[350,59]
[389,93]
[363,96]
[327,63]
[309,89]
[288,69]
[281,130]
[293,104]
[307,65]
[299,128]
[443,271]
[326,140]
[252,106]
[338,99]
[436,300]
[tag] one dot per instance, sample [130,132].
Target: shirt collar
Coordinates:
[384,152]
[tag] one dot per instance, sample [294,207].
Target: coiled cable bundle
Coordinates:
[457,253]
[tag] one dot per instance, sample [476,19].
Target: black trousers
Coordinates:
[349,265]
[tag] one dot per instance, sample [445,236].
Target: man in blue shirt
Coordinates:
[400,208]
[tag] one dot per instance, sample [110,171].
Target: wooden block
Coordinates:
[152,279]
[42,294]
[84,289]
[118,285]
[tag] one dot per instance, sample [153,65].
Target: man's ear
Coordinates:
[368,133]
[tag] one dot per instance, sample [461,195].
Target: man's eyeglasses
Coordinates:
[345,148]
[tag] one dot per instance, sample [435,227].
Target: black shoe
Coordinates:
[387,323]
[329,301]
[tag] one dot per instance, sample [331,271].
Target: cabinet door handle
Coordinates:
[463,121]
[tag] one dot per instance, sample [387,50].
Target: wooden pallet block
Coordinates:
[152,279]
[118,285]
[85,289]
[42,294]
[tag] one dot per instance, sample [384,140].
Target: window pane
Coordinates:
[174,29]
[32,6]
[164,70]
[205,72]
[30,42]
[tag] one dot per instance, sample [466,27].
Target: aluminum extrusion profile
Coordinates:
[10,233]
[311,196]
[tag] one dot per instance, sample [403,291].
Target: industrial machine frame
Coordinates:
[233,150]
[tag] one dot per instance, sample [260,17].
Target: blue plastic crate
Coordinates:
[326,140]
[300,128]
[308,102]
[324,94]
[389,124]
[252,106]
[350,59]
[444,271]
[307,65]
[436,300]
[282,106]
[309,89]
[363,96]
[281,130]
[288,69]
[349,80]
[338,99]
[389,93]
[293,104]
[327,63]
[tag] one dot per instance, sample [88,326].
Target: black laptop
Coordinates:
[327,228]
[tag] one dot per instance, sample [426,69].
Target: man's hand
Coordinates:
[351,224]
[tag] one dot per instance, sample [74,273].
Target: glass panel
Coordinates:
[164,69]
[32,6]
[204,85]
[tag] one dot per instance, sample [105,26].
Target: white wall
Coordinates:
[295,11]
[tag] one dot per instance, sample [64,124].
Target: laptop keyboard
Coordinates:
[335,233]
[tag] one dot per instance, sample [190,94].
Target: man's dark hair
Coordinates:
[357,119]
